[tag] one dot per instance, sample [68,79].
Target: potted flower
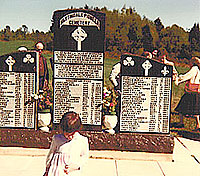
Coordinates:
[109,113]
[45,104]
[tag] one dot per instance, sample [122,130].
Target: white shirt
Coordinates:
[114,73]
[193,75]
[74,153]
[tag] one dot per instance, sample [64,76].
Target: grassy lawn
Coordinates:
[108,64]
[177,91]
[12,46]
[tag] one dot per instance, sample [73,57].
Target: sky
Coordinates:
[37,14]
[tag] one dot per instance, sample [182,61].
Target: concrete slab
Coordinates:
[20,151]
[192,146]
[184,164]
[181,153]
[138,168]
[21,165]
[180,168]
[99,167]
[123,155]
[15,161]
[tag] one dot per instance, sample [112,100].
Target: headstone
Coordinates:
[146,95]
[78,64]
[18,83]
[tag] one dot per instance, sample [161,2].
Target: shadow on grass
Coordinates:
[188,130]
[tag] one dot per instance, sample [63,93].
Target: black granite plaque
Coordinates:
[17,85]
[146,95]
[78,64]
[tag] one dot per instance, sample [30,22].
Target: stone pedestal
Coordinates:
[138,142]
[135,142]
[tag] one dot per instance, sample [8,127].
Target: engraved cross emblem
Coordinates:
[79,35]
[146,65]
[28,59]
[10,61]
[165,71]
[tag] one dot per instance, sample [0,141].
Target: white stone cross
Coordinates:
[165,71]
[10,61]
[79,35]
[146,65]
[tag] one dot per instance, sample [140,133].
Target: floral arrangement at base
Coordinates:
[109,101]
[46,99]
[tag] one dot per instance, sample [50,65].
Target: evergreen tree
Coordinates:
[194,38]
[147,38]
[134,39]
[159,25]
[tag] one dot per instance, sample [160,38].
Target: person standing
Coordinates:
[69,150]
[189,103]
[43,71]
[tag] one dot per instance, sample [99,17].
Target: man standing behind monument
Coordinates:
[42,65]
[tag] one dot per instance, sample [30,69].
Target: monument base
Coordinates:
[135,142]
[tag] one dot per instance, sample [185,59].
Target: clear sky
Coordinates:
[37,14]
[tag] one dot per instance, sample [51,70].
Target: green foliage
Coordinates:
[46,100]
[109,101]
[194,38]
[126,31]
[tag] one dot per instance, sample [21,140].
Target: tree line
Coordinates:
[22,33]
[127,31]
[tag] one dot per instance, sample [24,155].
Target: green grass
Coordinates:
[108,64]
[12,46]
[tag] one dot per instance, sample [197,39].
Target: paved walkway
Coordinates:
[31,162]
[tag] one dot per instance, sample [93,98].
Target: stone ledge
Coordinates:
[137,142]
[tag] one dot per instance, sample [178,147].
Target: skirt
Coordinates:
[189,104]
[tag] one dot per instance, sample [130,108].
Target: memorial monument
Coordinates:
[145,95]
[78,64]
[78,60]
[18,85]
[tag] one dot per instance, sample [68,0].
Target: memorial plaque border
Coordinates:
[91,25]
[138,75]
[86,127]
[35,87]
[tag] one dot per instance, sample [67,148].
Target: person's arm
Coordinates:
[115,71]
[187,76]
[165,61]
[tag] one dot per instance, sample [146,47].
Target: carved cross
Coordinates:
[146,65]
[79,35]
[165,71]
[10,61]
